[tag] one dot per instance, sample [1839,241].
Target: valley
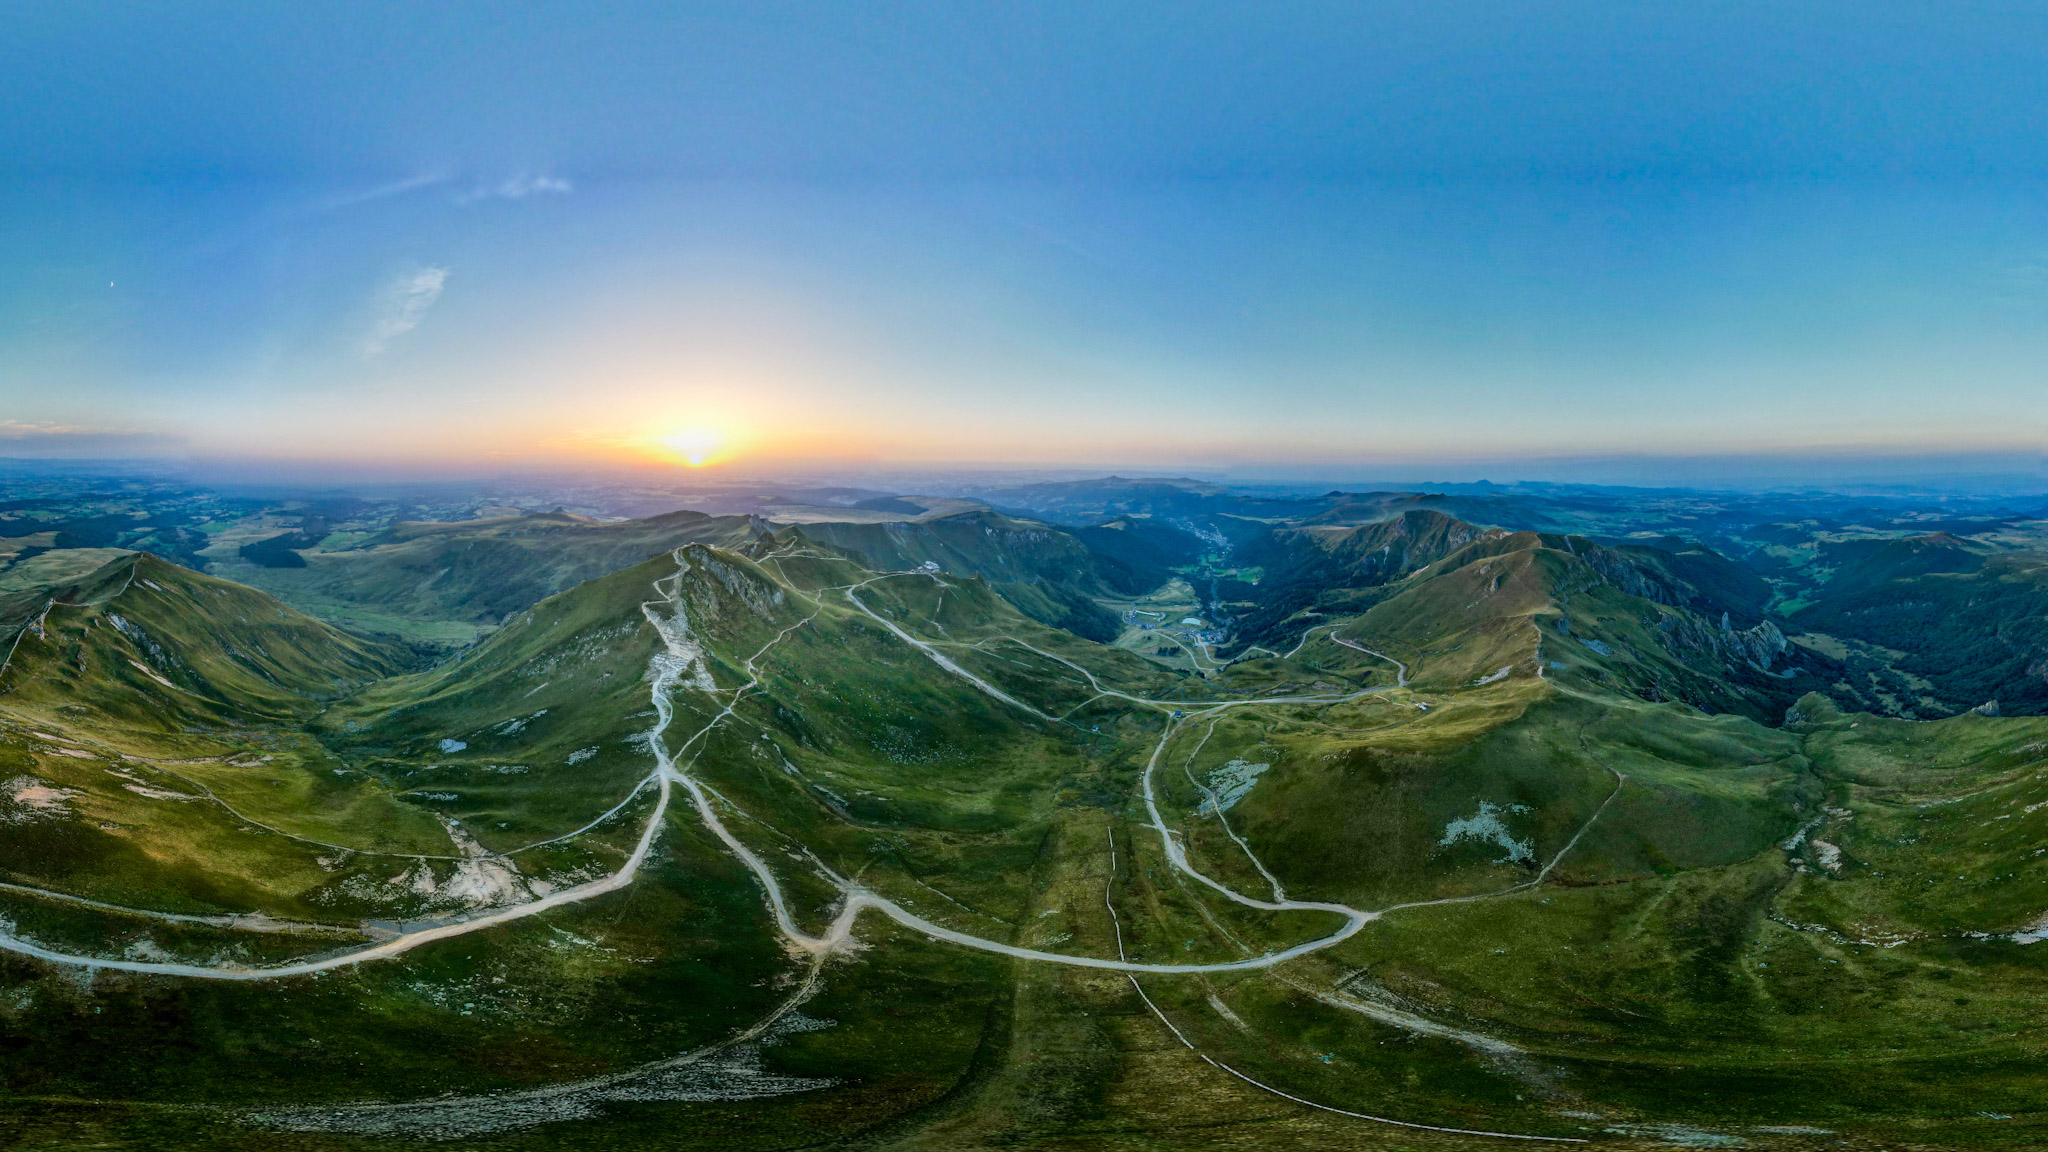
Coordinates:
[1437,832]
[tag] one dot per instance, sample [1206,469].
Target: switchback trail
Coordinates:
[679,659]
[669,666]
[682,662]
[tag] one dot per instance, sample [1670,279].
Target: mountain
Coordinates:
[1330,568]
[448,583]
[155,748]
[1050,574]
[1860,565]
[1670,622]
[1968,629]
[1143,543]
[444,582]
[161,646]
[1174,499]
[786,838]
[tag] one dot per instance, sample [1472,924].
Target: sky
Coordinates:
[1597,239]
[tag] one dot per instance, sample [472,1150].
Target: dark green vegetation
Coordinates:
[436,582]
[1652,875]
[1965,636]
[1050,575]
[406,579]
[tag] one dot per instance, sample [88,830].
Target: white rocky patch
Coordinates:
[157,793]
[1829,855]
[1224,1011]
[486,883]
[146,670]
[514,726]
[1229,784]
[1679,1135]
[482,880]
[720,1073]
[582,754]
[2035,931]
[450,744]
[31,799]
[1486,827]
[683,664]
[146,949]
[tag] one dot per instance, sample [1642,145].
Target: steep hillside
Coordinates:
[1700,578]
[1145,543]
[1526,604]
[163,646]
[1969,637]
[467,575]
[1337,570]
[1860,565]
[998,548]
[1330,570]
[152,736]
[1049,573]
[789,843]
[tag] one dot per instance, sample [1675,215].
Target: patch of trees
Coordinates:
[281,551]
[1973,640]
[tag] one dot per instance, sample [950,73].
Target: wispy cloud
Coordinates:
[381,192]
[402,305]
[32,429]
[519,187]
[52,440]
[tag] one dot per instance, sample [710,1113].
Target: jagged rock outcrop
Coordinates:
[1687,633]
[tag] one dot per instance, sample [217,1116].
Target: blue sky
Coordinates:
[1362,238]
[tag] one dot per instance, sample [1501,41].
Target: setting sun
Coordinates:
[696,446]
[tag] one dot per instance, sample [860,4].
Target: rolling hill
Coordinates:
[1969,629]
[1050,574]
[774,838]
[449,582]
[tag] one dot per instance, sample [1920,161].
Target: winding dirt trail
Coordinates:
[681,662]
[1401,670]
[669,666]
[681,659]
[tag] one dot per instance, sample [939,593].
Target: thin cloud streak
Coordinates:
[381,192]
[24,429]
[403,305]
[519,187]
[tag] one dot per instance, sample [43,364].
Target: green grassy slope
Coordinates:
[160,645]
[1605,915]
[1050,574]
[1968,637]
[161,714]
[413,577]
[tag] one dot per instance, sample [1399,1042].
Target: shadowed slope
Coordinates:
[162,646]
[482,572]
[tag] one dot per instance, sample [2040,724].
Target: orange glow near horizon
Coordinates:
[696,438]
[697,446]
